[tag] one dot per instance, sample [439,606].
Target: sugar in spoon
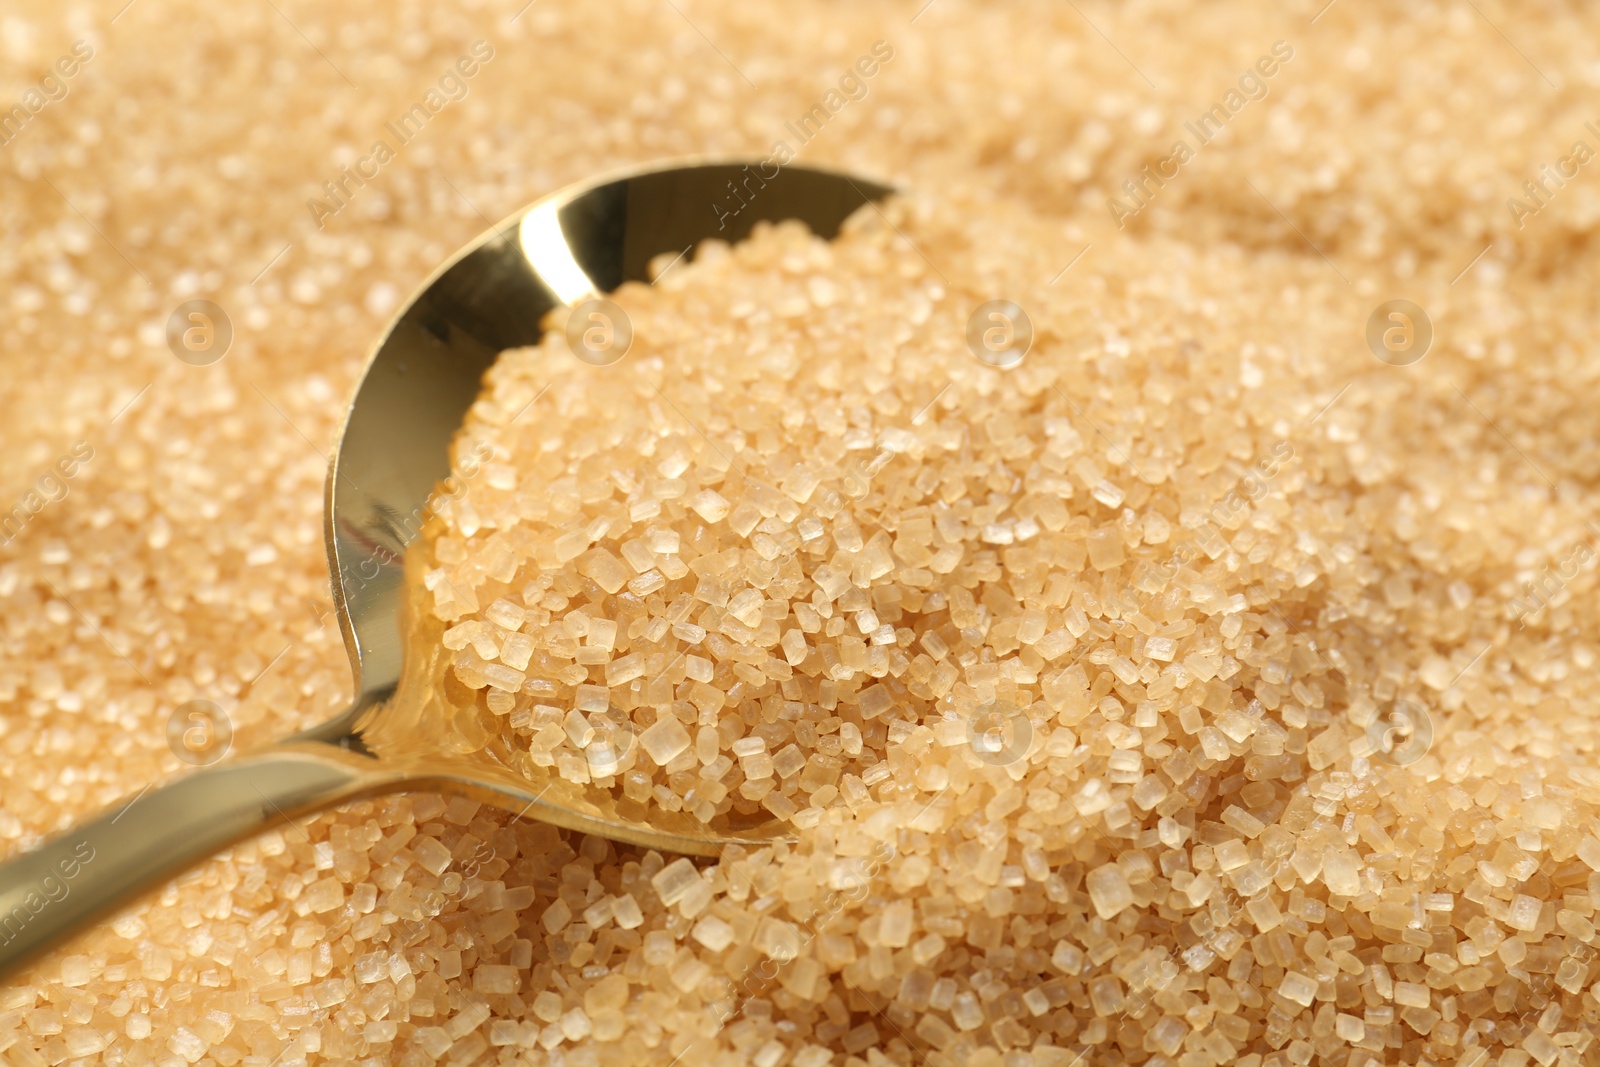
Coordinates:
[420,379]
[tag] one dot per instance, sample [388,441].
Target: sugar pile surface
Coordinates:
[1277,898]
[1100,700]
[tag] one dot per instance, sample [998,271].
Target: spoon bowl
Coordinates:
[384,481]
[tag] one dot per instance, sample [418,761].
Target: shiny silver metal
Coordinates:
[419,382]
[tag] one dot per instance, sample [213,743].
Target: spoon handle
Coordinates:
[88,872]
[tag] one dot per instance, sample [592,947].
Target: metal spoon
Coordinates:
[419,382]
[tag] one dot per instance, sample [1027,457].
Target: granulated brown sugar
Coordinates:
[1272,554]
[1182,740]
